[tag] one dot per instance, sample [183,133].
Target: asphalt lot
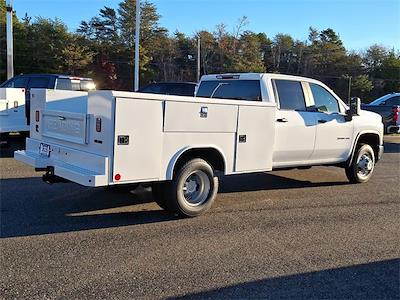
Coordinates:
[287,234]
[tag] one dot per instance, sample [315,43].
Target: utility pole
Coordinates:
[349,91]
[137,44]
[10,51]
[198,58]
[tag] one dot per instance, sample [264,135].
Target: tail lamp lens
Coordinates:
[98,124]
[395,111]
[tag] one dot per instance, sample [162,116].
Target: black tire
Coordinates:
[193,190]
[356,174]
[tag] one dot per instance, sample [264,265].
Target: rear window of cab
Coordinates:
[249,90]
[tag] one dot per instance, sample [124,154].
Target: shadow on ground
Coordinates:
[391,147]
[31,207]
[377,280]
[268,181]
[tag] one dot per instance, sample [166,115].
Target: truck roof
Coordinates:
[254,76]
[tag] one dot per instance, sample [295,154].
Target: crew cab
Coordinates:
[237,123]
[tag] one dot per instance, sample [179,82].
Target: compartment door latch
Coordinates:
[203,112]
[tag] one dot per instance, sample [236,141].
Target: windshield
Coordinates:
[249,90]
[379,100]
[19,82]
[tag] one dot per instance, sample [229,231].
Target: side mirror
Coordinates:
[355,108]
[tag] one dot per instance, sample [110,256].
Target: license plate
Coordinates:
[44,150]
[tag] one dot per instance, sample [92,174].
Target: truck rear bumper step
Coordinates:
[63,170]
[92,170]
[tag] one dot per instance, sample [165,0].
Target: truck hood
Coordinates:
[371,115]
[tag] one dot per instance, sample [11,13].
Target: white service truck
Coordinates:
[253,123]
[12,110]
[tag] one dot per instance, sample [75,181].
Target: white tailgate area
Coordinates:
[60,138]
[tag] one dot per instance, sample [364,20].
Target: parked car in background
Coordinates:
[50,81]
[388,107]
[15,98]
[170,88]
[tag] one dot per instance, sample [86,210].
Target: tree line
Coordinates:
[103,48]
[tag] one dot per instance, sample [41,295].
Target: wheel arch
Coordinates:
[370,137]
[210,153]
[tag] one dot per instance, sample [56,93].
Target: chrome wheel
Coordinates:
[196,188]
[365,164]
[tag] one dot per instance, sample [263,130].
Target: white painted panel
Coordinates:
[295,138]
[257,125]
[333,138]
[175,143]
[142,122]
[12,110]
[187,117]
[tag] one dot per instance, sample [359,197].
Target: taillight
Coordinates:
[98,124]
[395,110]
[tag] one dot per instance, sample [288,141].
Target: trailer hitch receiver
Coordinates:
[50,178]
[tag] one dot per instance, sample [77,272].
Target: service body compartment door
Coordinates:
[200,117]
[255,139]
[137,140]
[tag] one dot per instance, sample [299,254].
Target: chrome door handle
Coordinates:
[282,120]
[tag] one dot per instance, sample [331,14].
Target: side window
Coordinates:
[20,82]
[39,82]
[324,101]
[63,84]
[290,94]
[393,101]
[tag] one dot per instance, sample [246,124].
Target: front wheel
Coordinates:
[193,189]
[362,166]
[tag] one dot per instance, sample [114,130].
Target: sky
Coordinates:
[360,23]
